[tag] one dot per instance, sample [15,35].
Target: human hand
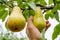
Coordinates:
[32,32]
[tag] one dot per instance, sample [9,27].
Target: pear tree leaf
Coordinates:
[56,31]
[32,5]
[43,34]
[32,0]
[31,12]
[46,16]
[42,2]
[55,9]
[57,16]
[19,1]
[50,1]
[3,12]
[49,14]
[26,13]
[57,1]
[21,4]
[4,15]
[58,6]
[6,27]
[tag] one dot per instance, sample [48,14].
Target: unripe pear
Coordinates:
[16,21]
[38,20]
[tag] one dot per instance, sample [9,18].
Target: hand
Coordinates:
[32,32]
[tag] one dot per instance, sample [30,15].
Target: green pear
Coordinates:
[16,21]
[38,20]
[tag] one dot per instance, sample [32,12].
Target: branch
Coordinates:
[6,4]
[45,7]
[1,2]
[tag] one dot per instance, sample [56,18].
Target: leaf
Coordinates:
[57,16]
[50,1]
[56,31]
[4,16]
[57,1]
[32,0]
[42,2]
[55,9]
[3,12]
[43,34]
[10,10]
[32,5]
[24,5]
[58,6]
[31,12]
[49,14]
[6,27]
[46,16]
[19,1]
[26,13]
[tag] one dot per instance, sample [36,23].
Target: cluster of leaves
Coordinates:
[50,11]
[10,36]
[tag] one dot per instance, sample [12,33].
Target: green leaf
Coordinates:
[24,5]
[32,0]
[31,12]
[43,34]
[26,13]
[6,26]
[50,1]
[19,1]
[57,16]
[46,16]
[55,9]
[58,6]
[4,16]
[10,10]
[57,1]
[49,14]
[56,31]
[32,5]
[3,12]
[42,2]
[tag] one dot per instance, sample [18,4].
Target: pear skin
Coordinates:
[16,21]
[38,20]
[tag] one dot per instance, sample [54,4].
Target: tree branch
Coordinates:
[45,7]
[1,2]
[6,4]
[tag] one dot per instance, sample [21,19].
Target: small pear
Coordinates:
[38,20]
[16,21]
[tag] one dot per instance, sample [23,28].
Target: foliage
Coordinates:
[25,5]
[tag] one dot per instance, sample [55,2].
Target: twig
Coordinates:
[1,2]
[45,7]
[6,4]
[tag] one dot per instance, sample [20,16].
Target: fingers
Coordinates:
[30,23]
[27,32]
[30,20]
[31,30]
[47,24]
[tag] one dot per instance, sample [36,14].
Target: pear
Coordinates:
[16,21]
[38,20]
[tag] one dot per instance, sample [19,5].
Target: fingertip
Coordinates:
[30,19]
[47,21]
[48,25]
